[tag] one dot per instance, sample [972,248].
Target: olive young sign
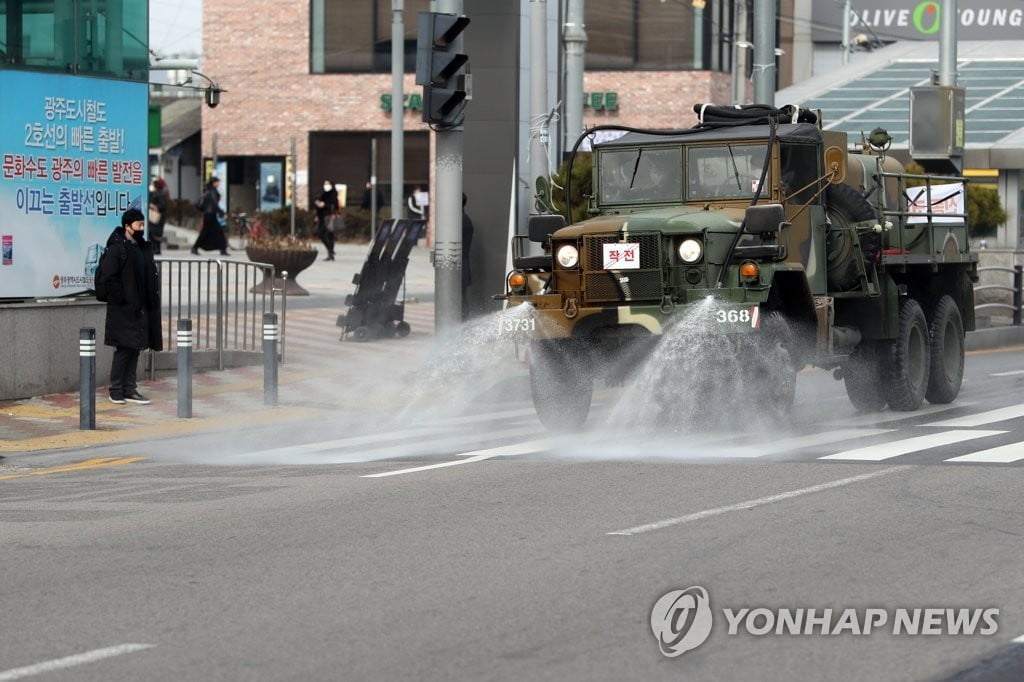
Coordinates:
[920,19]
[72,158]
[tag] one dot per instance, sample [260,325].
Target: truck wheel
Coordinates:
[845,205]
[862,375]
[778,367]
[908,379]
[947,352]
[561,384]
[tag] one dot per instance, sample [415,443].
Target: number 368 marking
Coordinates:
[742,316]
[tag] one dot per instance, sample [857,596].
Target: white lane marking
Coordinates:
[876,453]
[893,416]
[1014,373]
[761,501]
[477,456]
[71,661]
[797,442]
[1018,640]
[982,418]
[1000,455]
[446,443]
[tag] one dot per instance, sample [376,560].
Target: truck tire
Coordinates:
[845,205]
[561,384]
[862,376]
[777,358]
[909,371]
[947,352]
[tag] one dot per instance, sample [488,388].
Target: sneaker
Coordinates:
[117,400]
[137,398]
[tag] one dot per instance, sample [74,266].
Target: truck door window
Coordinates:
[645,175]
[799,170]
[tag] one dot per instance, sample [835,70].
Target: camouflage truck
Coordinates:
[767,234]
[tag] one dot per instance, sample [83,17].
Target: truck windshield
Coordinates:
[724,171]
[645,175]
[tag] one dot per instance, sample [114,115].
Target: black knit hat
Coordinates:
[130,216]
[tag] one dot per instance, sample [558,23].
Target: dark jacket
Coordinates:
[210,202]
[129,274]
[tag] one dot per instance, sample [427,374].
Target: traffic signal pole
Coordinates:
[439,69]
[397,110]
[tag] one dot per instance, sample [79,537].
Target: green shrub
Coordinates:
[582,186]
[183,213]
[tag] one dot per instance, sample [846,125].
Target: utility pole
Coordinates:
[739,54]
[846,31]
[397,109]
[575,38]
[448,214]
[538,96]
[764,52]
[947,43]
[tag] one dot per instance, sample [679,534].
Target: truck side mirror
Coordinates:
[765,218]
[540,227]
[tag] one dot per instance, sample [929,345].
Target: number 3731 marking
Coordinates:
[745,316]
[517,324]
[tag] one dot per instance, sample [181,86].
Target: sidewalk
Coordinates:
[318,374]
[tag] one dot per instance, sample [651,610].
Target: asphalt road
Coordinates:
[454,539]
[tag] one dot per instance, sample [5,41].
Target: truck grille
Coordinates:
[644,283]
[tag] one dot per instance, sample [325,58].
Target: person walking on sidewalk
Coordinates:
[130,285]
[211,235]
[159,199]
[326,209]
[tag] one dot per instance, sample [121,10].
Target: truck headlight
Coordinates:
[568,256]
[690,250]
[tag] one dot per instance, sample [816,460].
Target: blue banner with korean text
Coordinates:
[73,155]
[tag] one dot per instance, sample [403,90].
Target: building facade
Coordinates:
[314,76]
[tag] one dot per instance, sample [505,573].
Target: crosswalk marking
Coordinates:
[982,418]
[882,451]
[1004,454]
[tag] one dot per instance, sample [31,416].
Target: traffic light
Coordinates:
[439,67]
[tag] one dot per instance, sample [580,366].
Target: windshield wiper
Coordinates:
[635,166]
[735,170]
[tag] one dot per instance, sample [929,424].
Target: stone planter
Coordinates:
[292,261]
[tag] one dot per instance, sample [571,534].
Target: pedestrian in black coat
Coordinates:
[211,234]
[326,208]
[159,199]
[129,278]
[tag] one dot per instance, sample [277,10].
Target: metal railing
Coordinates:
[225,299]
[1015,290]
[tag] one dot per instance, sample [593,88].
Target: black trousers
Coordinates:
[123,370]
[326,235]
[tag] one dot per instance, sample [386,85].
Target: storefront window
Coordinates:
[76,36]
[356,36]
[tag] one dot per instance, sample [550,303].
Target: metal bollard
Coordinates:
[1018,280]
[270,334]
[87,379]
[184,341]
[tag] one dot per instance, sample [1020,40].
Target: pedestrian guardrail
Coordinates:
[226,302]
[1015,290]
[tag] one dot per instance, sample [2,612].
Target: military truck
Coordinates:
[757,229]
